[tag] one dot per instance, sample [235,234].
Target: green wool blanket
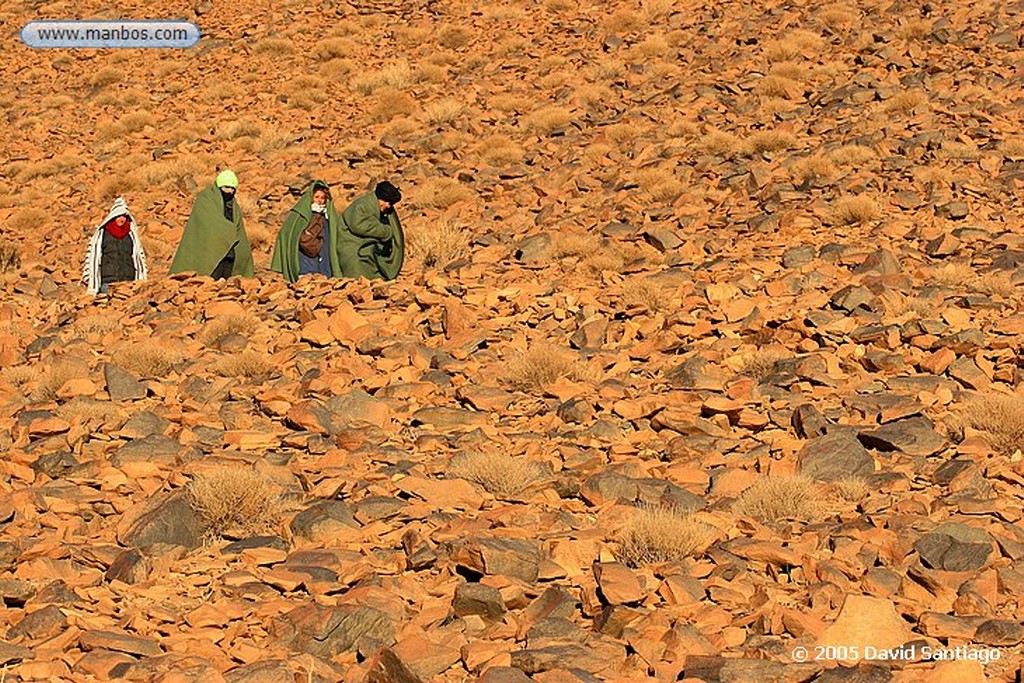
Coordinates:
[286,249]
[209,236]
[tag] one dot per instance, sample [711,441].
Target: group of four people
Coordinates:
[364,240]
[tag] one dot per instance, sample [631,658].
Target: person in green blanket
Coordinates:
[214,242]
[371,243]
[308,240]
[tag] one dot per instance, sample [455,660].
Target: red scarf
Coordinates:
[118,232]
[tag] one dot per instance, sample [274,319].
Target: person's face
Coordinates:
[121,221]
[320,197]
[384,206]
[228,191]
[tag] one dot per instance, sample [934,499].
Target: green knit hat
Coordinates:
[227,178]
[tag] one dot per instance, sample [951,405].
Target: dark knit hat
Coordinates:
[387,192]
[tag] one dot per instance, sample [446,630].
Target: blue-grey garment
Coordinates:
[322,263]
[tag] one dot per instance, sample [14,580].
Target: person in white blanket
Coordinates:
[115,251]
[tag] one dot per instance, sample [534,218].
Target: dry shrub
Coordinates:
[430,73]
[444,110]
[440,193]
[849,489]
[905,102]
[389,103]
[652,46]
[993,284]
[225,325]
[152,360]
[592,95]
[306,91]
[621,132]
[499,150]
[1012,148]
[10,256]
[135,121]
[999,416]
[762,362]
[684,128]
[248,364]
[789,70]
[115,186]
[721,143]
[770,141]
[509,103]
[235,501]
[558,6]
[659,534]
[172,170]
[772,498]
[644,293]
[852,155]
[546,120]
[854,210]
[542,365]
[32,218]
[606,260]
[437,243]
[500,474]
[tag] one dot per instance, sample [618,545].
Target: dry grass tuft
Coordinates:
[233,130]
[440,193]
[225,325]
[772,498]
[248,364]
[10,256]
[96,324]
[963,276]
[838,16]
[443,111]
[660,183]
[235,502]
[32,218]
[624,20]
[855,210]
[107,76]
[581,244]
[151,360]
[57,375]
[762,362]
[775,85]
[47,168]
[398,76]
[770,141]
[542,365]
[19,375]
[721,143]
[814,169]
[962,151]
[656,535]
[852,155]
[849,489]
[82,409]
[389,103]
[274,47]
[455,37]
[500,150]
[644,293]
[905,102]
[332,48]
[546,120]
[1012,148]
[500,474]
[999,416]
[438,242]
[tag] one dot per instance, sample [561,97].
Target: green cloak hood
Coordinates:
[368,247]
[286,249]
[209,236]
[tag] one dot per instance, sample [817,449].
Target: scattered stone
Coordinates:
[835,456]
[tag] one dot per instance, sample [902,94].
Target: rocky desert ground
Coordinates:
[704,365]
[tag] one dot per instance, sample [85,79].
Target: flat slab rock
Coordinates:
[834,456]
[954,547]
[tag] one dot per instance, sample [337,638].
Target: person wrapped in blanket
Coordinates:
[115,252]
[215,243]
[308,241]
[371,242]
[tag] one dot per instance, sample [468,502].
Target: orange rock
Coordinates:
[618,584]
[865,622]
